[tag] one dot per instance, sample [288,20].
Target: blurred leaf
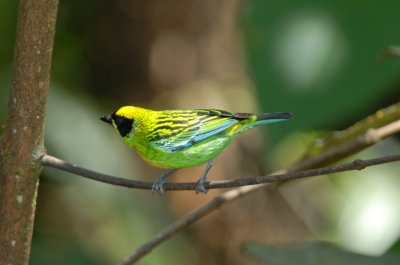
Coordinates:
[313,254]
[319,60]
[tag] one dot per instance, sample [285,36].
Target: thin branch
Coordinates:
[370,137]
[357,165]
[327,149]
[239,192]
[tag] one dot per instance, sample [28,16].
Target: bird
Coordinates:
[176,139]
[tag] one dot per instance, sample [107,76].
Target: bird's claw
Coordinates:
[157,187]
[200,188]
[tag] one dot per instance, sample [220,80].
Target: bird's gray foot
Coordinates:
[200,186]
[200,183]
[157,187]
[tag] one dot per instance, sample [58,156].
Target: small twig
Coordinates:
[369,138]
[343,143]
[239,192]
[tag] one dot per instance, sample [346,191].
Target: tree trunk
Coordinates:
[21,145]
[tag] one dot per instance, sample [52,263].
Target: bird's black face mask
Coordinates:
[123,125]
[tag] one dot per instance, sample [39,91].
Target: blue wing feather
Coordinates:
[203,125]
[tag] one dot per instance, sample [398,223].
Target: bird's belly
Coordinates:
[194,155]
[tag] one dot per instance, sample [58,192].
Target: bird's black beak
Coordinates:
[107,118]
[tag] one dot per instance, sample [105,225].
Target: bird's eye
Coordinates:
[124,125]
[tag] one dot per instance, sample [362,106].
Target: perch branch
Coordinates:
[356,165]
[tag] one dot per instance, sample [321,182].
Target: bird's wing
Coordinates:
[177,130]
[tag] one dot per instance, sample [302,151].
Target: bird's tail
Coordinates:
[266,118]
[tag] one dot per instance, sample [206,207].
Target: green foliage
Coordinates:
[319,60]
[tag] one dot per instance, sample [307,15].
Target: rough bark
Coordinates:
[22,141]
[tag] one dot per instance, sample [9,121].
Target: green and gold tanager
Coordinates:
[175,139]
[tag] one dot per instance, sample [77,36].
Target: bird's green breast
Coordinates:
[194,155]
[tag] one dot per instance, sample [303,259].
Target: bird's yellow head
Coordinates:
[123,119]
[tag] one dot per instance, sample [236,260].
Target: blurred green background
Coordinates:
[319,60]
